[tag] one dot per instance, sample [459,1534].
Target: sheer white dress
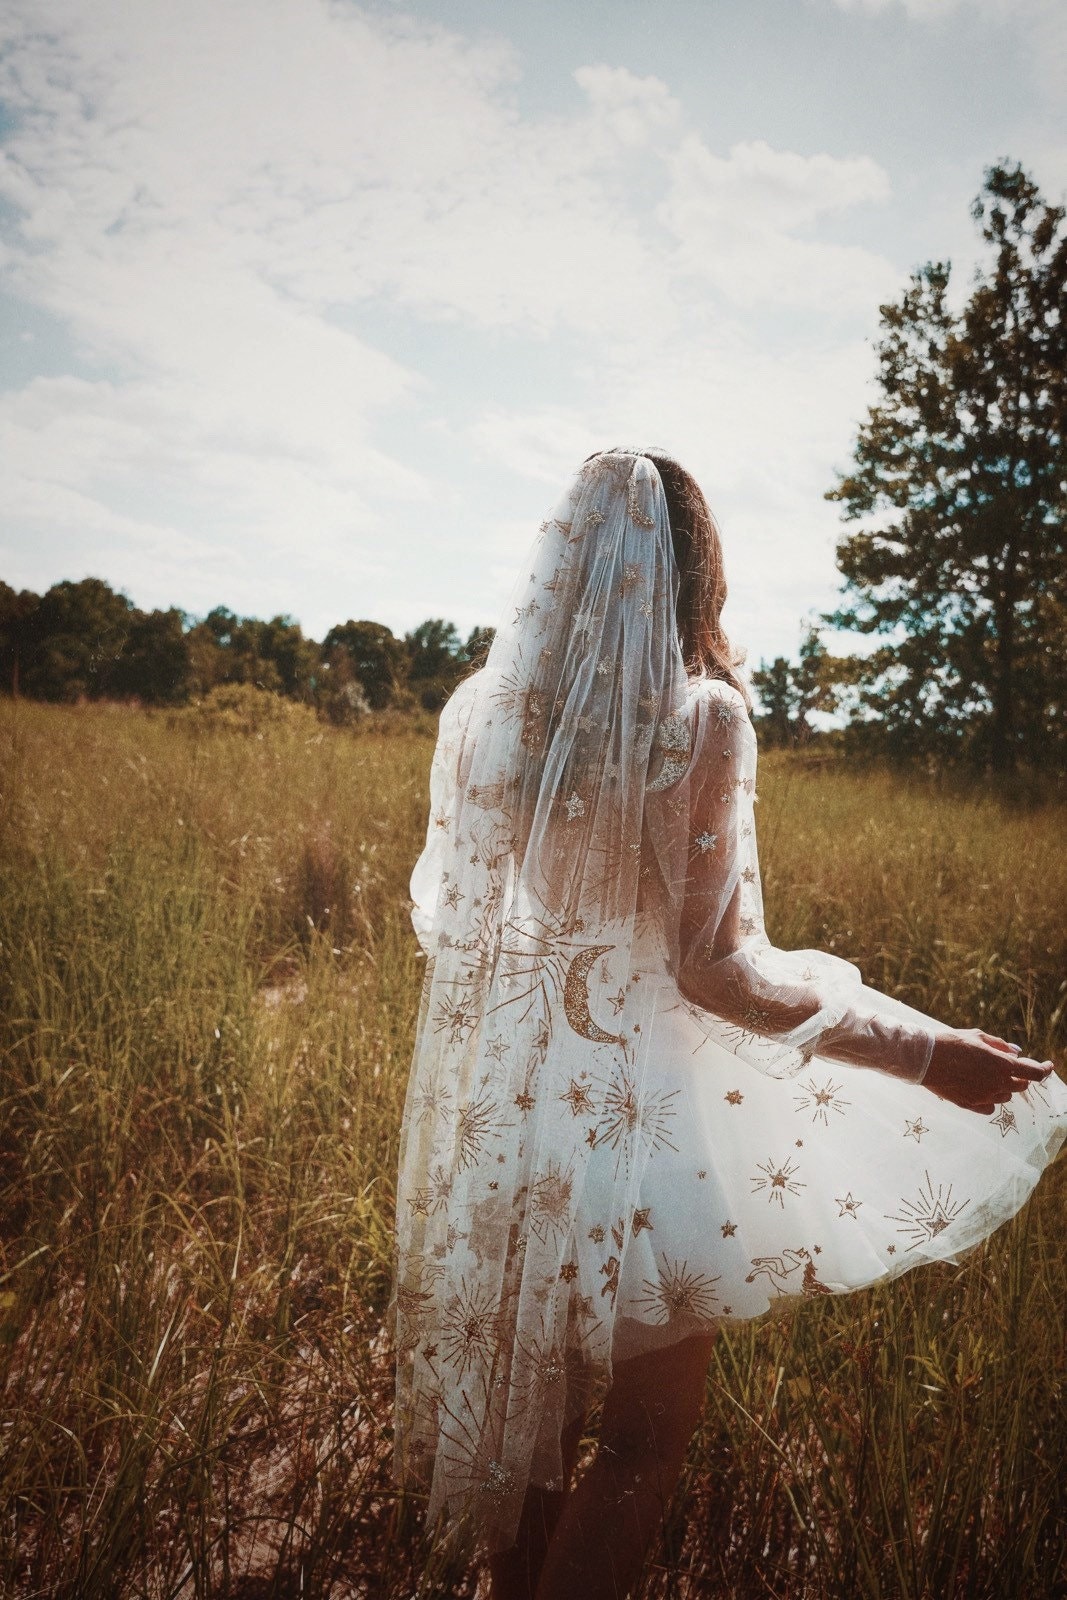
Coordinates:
[621,1127]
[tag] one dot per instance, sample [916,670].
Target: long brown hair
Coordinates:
[702,577]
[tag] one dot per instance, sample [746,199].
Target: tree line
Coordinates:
[85,640]
[954,566]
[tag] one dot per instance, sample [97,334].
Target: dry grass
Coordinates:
[208,997]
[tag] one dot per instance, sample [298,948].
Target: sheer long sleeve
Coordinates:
[428,877]
[774,1008]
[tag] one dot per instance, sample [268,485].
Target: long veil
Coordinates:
[544,868]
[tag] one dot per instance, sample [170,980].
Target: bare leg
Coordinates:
[514,1573]
[606,1525]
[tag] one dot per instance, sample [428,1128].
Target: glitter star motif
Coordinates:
[929,1214]
[640,1220]
[469,1328]
[915,1130]
[1005,1121]
[596,1233]
[729,1229]
[702,1173]
[733,1097]
[569,1271]
[524,1101]
[497,1049]
[778,1181]
[603,668]
[707,841]
[849,1206]
[441,821]
[617,1001]
[577,1097]
[678,1291]
[574,807]
[749,875]
[890,1249]
[821,1101]
[452,896]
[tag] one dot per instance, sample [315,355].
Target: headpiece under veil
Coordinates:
[530,1057]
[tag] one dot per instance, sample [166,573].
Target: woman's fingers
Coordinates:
[998,1043]
[1034,1071]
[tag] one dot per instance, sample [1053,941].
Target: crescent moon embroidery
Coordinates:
[576,998]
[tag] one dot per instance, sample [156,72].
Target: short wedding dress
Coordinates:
[628,1118]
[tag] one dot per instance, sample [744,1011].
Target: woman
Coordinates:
[630,1117]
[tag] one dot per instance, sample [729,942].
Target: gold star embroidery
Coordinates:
[734,1097]
[729,1229]
[577,1097]
[849,1207]
[640,1220]
[569,1271]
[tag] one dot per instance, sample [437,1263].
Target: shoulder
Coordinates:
[720,697]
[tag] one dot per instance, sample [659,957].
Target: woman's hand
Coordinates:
[977,1071]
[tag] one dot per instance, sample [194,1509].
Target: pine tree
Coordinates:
[960,483]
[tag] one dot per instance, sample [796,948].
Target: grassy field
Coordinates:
[208,994]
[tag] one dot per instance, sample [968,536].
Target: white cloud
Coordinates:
[1039,25]
[219,203]
[743,222]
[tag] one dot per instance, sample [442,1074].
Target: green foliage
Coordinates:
[208,995]
[790,694]
[245,708]
[366,654]
[85,641]
[438,658]
[960,482]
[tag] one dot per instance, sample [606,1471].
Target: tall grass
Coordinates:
[208,995]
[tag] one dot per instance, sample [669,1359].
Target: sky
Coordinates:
[311,307]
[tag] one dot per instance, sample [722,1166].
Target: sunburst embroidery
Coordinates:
[626,1117]
[678,1291]
[475,1122]
[470,1327]
[550,1202]
[777,1180]
[820,1101]
[929,1214]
